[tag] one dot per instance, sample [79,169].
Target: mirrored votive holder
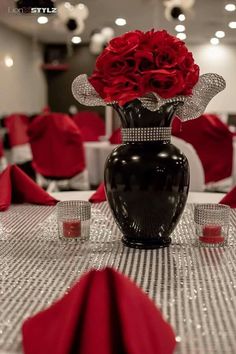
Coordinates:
[212,224]
[73,218]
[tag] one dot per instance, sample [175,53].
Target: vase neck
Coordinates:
[134,115]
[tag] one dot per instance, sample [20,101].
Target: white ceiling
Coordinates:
[207,17]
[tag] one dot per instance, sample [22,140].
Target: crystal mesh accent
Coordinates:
[85,93]
[74,209]
[146,134]
[193,106]
[189,284]
[212,214]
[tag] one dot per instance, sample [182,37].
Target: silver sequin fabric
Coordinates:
[194,287]
[191,107]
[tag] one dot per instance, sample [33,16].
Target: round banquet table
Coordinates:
[194,287]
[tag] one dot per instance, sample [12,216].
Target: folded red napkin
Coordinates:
[230,198]
[17,187]
[103,313]
[99,196]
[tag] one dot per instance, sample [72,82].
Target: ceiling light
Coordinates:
[181,17]
[232,24]
[181,36]
[67,5]
[8,61]
[214,41]
[81,6]
[180,28]
[120,21]
[230,7]
[76,40]
[42,20]
[220,34]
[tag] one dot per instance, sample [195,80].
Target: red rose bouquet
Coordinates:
[138,63]
[153,67]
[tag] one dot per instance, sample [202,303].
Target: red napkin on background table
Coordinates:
[104,313]
[17,187]
[230,198]
[99,196]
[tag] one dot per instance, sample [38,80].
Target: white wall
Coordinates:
[220,59]
[22,86]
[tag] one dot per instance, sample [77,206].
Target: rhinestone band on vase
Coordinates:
[146,134]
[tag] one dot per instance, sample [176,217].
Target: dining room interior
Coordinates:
[117,176]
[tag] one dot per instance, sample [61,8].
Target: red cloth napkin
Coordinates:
[103,313]
[99,196]
[17,187]
[230,198]
[213,142]
[57,146]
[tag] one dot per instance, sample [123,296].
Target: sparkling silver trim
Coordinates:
[76,209]
[212,214]
[146,134]
[193,106]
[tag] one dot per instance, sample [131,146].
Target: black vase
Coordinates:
[146,182]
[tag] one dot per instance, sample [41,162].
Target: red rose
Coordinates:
[188,62]
[166,83]
[144,61]
[126,43]
[190,80]
[123,90]
[114,65]
[137,63]
[97,81]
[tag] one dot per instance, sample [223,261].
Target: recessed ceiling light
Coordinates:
[181,17]
[67,5]
[180,28]
[181,36]
[42,20]
[8,61]
[214,41]
[232,24]
[81,6]
[230,7]
[220,34]
[120,21]
[76,40]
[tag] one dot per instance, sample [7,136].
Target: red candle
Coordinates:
[72,228]
[212,230]
[212,234]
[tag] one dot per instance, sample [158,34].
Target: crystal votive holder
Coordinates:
[212,224]
[73,218]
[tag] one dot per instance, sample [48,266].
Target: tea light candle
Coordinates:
[72,228]
[212,234]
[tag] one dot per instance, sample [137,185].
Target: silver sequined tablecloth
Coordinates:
[195,288]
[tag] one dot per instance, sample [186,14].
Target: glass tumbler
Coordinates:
[73,218]
[212,224]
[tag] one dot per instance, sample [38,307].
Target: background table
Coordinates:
[193,197]
[194,287]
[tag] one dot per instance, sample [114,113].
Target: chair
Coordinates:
[58,153]
[90,124]
[115,138]
[3,160]
[213,143]
[17,126]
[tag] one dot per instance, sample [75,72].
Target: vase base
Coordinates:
[144,244]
